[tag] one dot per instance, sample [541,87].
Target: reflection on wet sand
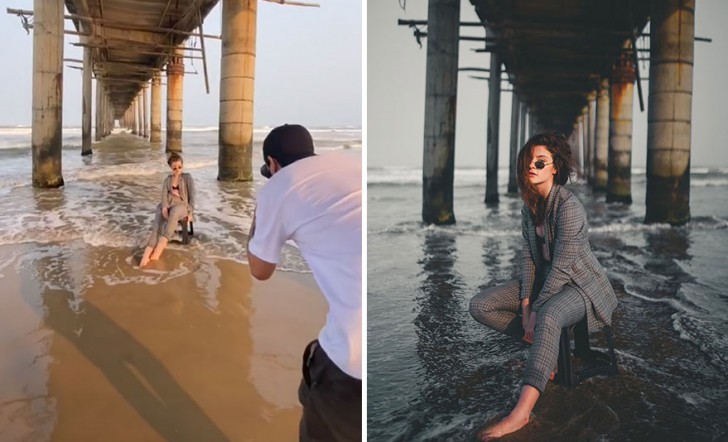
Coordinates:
[207,355]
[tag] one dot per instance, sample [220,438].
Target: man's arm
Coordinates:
[261,270]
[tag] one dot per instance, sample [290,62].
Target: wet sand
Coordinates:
[92,348]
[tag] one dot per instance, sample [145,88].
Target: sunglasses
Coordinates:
[177,168]
[540,164]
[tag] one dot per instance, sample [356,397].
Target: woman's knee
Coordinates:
[480,305]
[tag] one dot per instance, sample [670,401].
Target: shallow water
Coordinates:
[436,374]
[109,197]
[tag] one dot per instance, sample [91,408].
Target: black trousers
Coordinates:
[331,399]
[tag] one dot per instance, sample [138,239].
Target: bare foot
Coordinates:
[508,425]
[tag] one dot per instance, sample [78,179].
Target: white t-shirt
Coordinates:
[316,202]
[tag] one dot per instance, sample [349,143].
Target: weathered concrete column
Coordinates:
[591,130]
[145,111]
[441,87]
[619,180]
[156,135]
[585,131]
[175,77]
[601,148]
[523,113]
[491,172]
[99,93]
[140,114]
[134,113]
[47,129]
[86,103]
[237,88]
[579,145]
[669,115]
[515,108]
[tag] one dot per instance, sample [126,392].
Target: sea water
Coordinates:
[109,198]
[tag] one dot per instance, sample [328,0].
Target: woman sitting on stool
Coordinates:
[178,202]
[561,280]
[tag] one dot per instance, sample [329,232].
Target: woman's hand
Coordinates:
[529,328]
[165,212]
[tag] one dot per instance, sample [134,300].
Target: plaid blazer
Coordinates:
[572,261]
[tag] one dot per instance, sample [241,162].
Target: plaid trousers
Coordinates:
[499,308]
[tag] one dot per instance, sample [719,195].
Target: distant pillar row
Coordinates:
[601,148]
[156,134]
[669,115]
[175,77]
[237,85]
[441,82]
[493,129]
[47,132]
[619,164]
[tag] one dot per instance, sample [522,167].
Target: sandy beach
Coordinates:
[183,350]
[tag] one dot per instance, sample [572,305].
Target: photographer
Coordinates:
[316,202]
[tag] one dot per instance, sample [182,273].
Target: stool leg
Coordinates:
[185,233]
[612,357]
[564,376]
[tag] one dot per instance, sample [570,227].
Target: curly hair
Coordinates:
[560,150]
[173,158]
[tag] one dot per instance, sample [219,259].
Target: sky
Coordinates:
[396,91]
[308,68]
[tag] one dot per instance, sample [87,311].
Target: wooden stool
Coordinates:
[187,229]
[597,363]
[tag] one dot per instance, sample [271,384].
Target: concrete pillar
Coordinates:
[145,111]
[591,131]
[579,145]
[669,115]
[491,172]
[515,109]
[134,112]
[237,87]
[601,148]
[156,135]
[585,141]
[619,179]
[175,77]
[99,92]
[523,113]
[140,114]
[441,83]
[47,130]
[86,103]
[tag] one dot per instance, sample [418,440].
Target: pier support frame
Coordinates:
[47,129]
[669,115]
[441,82]
[237,85]
[175,78]
[619,180]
